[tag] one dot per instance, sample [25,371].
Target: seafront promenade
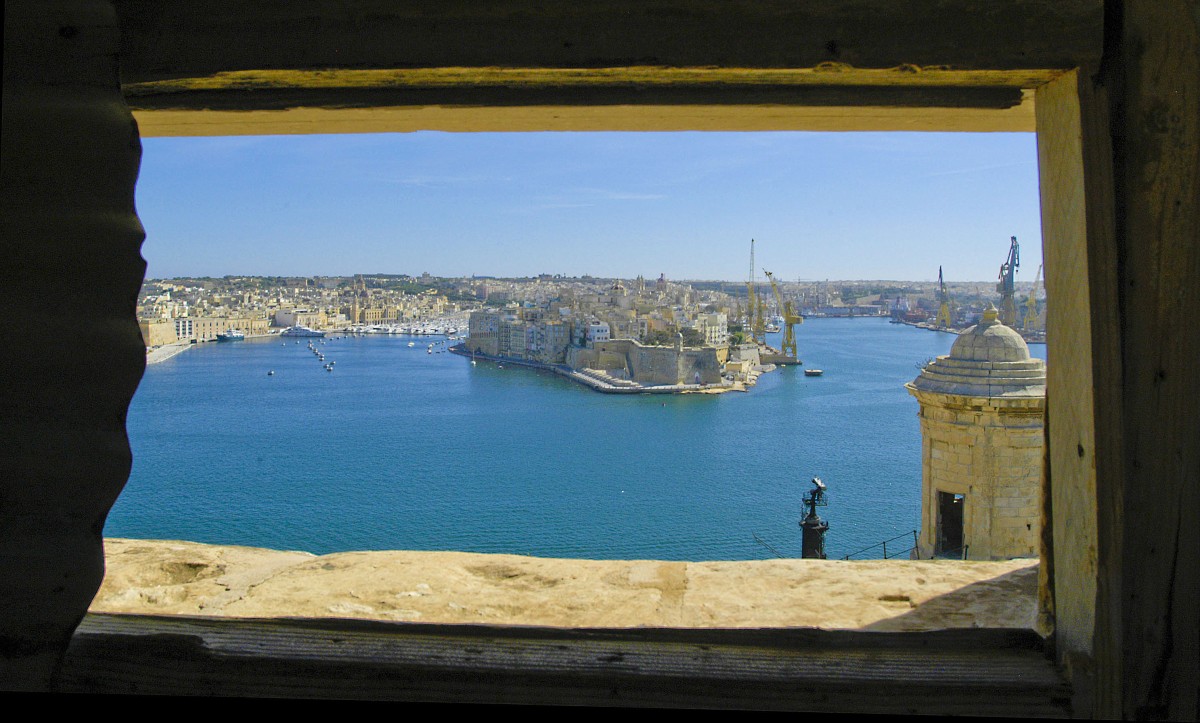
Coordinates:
[162,353]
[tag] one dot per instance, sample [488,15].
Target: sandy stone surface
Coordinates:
[187,578]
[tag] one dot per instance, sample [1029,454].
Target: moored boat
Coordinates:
[301,330]
[231,335]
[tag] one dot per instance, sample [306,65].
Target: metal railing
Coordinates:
[767,545]
[958,553]
[884,545]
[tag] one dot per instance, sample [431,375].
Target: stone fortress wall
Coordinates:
[648,365]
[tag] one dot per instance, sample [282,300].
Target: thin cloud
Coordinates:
[976,169]
[534,208]
[621,195]
[431,181]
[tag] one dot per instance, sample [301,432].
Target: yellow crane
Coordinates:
[790,319]
[1030,322]
[750,306]
[760,319]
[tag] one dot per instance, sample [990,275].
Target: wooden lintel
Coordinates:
[988,672]
[199,38]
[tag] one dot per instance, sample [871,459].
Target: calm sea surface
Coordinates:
[400,449]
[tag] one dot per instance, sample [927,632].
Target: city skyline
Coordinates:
[888,206]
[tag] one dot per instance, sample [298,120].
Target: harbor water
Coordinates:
[399,448]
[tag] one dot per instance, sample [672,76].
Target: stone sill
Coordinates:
[187,578]
[511,629]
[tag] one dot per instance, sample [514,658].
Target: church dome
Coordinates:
[990,341]
[988,360]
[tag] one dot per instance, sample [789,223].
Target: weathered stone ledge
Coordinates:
[188,578]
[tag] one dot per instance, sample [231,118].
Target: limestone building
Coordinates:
[981,414]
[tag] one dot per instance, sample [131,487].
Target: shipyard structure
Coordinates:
[982,412]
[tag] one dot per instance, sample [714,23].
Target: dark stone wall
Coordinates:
[70,276]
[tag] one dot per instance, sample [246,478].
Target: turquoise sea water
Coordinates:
[400,449]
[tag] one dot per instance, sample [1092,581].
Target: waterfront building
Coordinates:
[184,328]
[982,411]
[715,328]
[597,331]
[511,338]
[157,332]
[300,317]
[483,331]
[547,341]
[200,328]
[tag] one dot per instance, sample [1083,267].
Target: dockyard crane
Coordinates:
[754,313]
[1006,286]
[943,315]
[1030,322]
[790,318]
[750,306]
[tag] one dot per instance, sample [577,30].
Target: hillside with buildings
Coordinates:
[615,334]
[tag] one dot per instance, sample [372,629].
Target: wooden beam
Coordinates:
[639,98]
[152,123]
[204,37]
[1152,638]
[978,672]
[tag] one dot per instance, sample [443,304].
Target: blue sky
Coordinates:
[819,205]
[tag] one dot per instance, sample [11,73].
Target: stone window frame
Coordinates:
[1075,164]
[1054,282]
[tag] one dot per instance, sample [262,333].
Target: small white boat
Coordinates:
[301,330]
[813,372]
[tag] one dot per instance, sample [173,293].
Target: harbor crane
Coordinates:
[754,312]
[943,315]
[1006,286]
[790,319]
[1030,321]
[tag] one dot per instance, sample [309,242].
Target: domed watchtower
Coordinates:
[982,411]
